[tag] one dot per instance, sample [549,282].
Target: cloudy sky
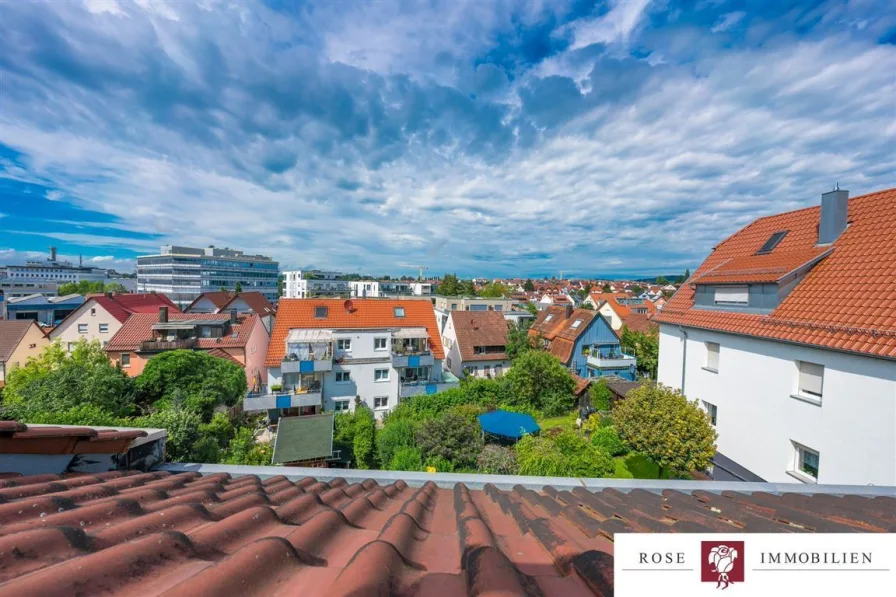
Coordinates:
[492,137]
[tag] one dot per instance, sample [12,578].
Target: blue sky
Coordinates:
[487,138]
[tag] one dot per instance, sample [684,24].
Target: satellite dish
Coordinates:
[349,306]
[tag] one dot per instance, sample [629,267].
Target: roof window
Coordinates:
[576,323]
[399,311]
[772,242]
[549,317]
[320,312]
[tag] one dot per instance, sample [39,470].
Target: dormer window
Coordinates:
[772,242]
[732,295]
[320,312]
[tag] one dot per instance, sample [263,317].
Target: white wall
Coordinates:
[615,321]
[362,374]
[457,365]
[854,429]
[67,331]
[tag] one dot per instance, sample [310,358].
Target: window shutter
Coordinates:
[732,294]
[712,356]
[811,378]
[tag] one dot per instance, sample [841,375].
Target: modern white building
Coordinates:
[388,288]
[54,270]
[786,335]
[183,273]
[336,355]
[306,284]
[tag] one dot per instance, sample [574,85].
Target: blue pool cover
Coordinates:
[507,424]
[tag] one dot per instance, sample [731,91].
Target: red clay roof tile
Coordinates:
[138,328]
[480,328]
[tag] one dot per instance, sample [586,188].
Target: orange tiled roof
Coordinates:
[621,309]
[365,314]
[845,302]
[638,322]
[138,328]
[480,328]
[761,268]
[560,331]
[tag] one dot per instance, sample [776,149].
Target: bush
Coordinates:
[206,450]
[84,414]
[452,436]
[535,375]
[441,465]
[244,450]
[481,392]
[183,431]
[608,439]
[364,440]
[567,454]
[396,434]
[600,395]
[219,429]
[497,460]
[406,459]
[555,405]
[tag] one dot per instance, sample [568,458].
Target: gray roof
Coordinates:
[303,438]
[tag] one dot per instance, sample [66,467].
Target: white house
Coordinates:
[334,355]
[299,284]
[388,288]
[475,343]
[786,335]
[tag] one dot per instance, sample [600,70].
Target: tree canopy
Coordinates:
[449,285]
[87,287]
[535,376]
[518,341]
[645,346]
[494,290]
[529,286]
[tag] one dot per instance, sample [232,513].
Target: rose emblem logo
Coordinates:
[722,562]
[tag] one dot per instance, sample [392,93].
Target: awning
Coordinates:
[411,333]
[298,336]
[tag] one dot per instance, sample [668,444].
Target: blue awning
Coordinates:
[508,424]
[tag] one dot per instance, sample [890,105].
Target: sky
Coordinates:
[487,138]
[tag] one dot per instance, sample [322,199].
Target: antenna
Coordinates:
[420,267]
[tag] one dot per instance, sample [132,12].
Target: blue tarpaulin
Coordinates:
[507,424]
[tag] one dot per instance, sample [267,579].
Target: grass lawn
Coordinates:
[637,466]
[563,421]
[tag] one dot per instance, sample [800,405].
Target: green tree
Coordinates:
[395,435]
[606,288]
[535,376]
[87,287]
[662,280]
[531,308]
[567,454]
[183,431]
[406,458]
[636,290]
[645,346]
[528,286]
[587,306]
[243,449]
[663,424]
[364,440]
[239,287]
[494,290]
[600,395]
[467,288]
[449,285]
[205,381]
[453,436]
[518,341]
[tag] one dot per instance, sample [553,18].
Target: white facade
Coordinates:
[460,368]
[388,288]
[297,285]
[764,422]
[90,322]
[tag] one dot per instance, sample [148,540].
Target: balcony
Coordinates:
[266,399]
[307,357]
[162,345]
[612,360]
[412,359]
[417,387]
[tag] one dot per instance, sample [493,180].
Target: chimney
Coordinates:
[232,316]
[163,314]
[108,295]
[834,208]
[52,253]
[568,311]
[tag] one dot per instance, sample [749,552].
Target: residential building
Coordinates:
[242,339]
[584,341]
[45,310]
[55,271]
[244,303]
[475,344]
[444,305]
[101,316]
[307,284]
[617,307]
[19,341]
[388,288]
[183,273]
[331,354]
[787,333]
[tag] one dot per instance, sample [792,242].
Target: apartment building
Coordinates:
[101,316]
[786,336]
[306,284]
[444,305]
[388,288]
[336,355]
[45,310]
[183,273]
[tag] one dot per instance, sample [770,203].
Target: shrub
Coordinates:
[497,460]
[536,375]
[558,404]
[608,439]
[364,441]
[600,395]
[244,450]
[206,450]
[406,459]
[219,429]
[396,434]
[183,431]
[567,454]
[453,437]
[441,465]
[83,414]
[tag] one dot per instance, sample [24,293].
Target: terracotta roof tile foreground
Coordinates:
[18,438]
[191,535]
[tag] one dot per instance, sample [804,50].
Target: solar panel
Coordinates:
[772,242]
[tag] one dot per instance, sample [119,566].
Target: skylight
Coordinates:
[576,323]
[399,311]
[549,317]
[320,312]
[771,243]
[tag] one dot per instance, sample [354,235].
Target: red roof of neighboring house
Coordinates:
[222,300]
[638,322]
[185,534]
[480,328]
[621,309]
[121,305]
[846,302]
[218,298]
[552,324]
[223,354]
[761,268]
[11,333]
[365,314]
[138,328]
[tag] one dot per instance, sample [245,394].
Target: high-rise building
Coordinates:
[183,273]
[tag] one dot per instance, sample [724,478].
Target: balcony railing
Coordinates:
[422,386]
[161,345]
[613,360]
[420,359]
[266,399]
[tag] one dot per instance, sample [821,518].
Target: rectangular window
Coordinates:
[380,343]
[320,312]
[70,346]
[497,307]
[344,344]
[399,311]
[125,360]
[498,370]
[807,462]
[811,380]
[381,402]
[82,328]
[340,406]
[576,323]
[343,376]
[380,375]
[711,410]
[454,306]
[771,243]
[712,357]
[93,310]
[549,317]
[104,328]
[732,295]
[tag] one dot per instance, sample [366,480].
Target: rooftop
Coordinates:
[139,327]
[480,329]
[11,333]
[121,306]
[248,531]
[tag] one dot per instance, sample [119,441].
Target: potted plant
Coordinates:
[276,387]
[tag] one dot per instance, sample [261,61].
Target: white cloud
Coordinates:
[615,26]
[728,21]
[103,6]
[102,258]
[54,195]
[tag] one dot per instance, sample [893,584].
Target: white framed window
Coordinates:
[454,306]
[399,311]
[712,357]
[82,328]
[448,361]
[344,344]
[806,463]
[380,343]
[125,360]
[711,410]
[810,381]
[104,328]
[381,402]
[340,406]
[320,312]
[576,323]
[343,376]
[549,317]
[732,295]
[380,375]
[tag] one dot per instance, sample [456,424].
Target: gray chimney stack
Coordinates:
[568,311]
[834,209]
[163,314]
[233,316]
